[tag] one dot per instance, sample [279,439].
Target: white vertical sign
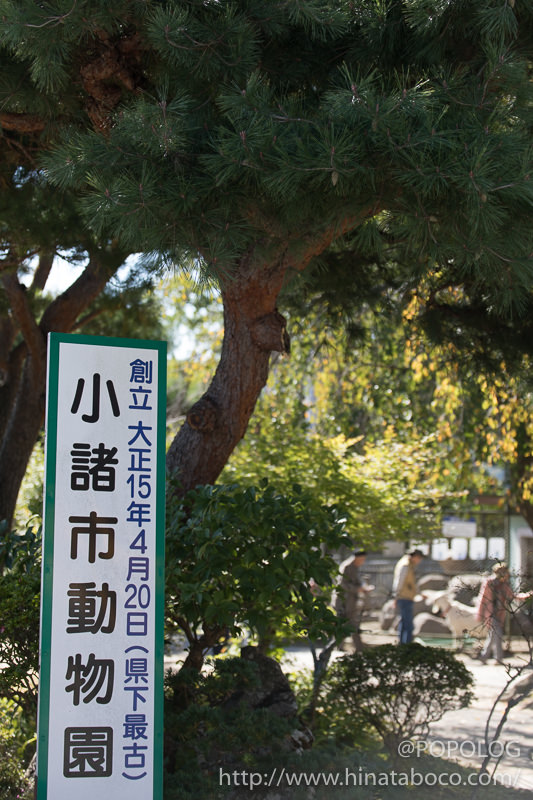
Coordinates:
[100,703]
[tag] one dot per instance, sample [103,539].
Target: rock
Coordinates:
[388,617]
[301,739]
[432,581]
[422,604]
[429,624]
[273,692]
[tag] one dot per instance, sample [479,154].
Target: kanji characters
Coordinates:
[135,726]
[94,416]
[91,610]
[141,371]
[134,759]
[92,527]
[138,565]
[90,679]
[88,752]
[93,468]
[107,462]
[140,432]
[136,623]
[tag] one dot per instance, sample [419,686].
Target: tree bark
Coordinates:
[253,329]
[21,432]
[23,395]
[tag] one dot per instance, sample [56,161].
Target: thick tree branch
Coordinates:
[22,123]
[42,273]
[62,313]
[21,311]
[22,400]
[7,335]
[253,328]
[82,321]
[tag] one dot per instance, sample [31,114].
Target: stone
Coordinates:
[426,623]
[432,581]
[273,692]
[388,618]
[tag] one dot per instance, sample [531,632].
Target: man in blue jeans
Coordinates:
[404,591]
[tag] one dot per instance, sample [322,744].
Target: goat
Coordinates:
[461,619]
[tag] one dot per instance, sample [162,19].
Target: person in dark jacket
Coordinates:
[351,593]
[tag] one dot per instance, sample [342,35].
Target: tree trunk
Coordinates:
[21,432]
[23,395]
[197,646]
[253,328]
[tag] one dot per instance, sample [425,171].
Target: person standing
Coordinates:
[404,591]
[351,592]
[494,600]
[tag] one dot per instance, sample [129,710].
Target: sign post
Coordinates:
[101,680]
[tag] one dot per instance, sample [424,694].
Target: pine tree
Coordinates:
[256,135]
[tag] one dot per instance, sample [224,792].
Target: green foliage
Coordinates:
[355,421]
[212,735]
[331,724]
[30,497]
[240,555]
[20,585]
[385,492]
[351,422]
[211,729]
[271,120]
[17,743]
[398,133]
[397,690]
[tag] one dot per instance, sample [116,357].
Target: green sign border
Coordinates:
[54,342]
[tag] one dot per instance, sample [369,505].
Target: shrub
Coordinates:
[397,690]
[17,745]
[242,557]
[20,583]
[210,726]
